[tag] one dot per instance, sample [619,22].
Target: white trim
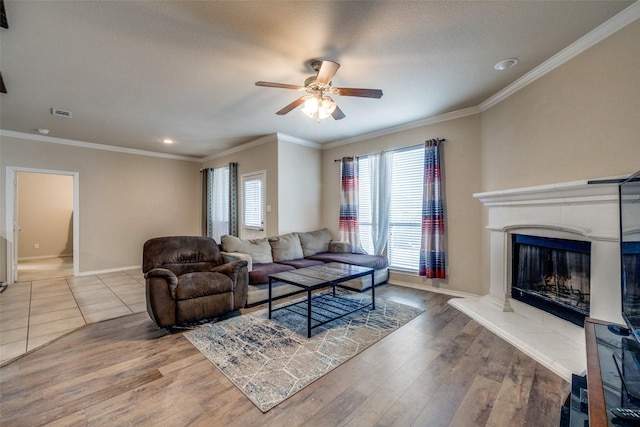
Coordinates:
[10,198]
[274,137]
[429,288]
[299,141]
[109,270]
[407,126]
[31,258]
[619,21]
[616,23]
[562,193]
[94,146]
[262,140]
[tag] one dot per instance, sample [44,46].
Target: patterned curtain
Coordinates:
[207,196]
[348,225]
[233,200]
[432,249]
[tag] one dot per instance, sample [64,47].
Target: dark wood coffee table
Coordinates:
[321,277]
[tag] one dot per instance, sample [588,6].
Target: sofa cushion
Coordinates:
[258,249]
[261,272]
[376,262]
[285,247]
[195,285]
[302,263]
[314,242]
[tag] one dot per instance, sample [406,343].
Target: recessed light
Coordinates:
[505,64]
[167,141]
[43,131]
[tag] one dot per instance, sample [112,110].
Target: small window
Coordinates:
[253,203]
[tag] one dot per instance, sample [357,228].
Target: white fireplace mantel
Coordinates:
[563,193]
[574,210]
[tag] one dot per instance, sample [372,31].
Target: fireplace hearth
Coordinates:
[552,275]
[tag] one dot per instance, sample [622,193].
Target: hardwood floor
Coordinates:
[441,369]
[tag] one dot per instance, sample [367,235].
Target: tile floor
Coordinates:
[36,310]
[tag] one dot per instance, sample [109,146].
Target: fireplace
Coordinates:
[576,211]
[552,275]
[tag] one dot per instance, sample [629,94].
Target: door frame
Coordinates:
[11,219]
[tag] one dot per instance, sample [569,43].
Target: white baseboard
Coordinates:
[110,270]
[31,258]
[432,289]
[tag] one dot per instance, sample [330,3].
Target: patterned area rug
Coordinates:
[270,360]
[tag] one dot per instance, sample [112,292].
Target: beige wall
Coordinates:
[299,184]
[582,120]
[45,215]
[125,199]
[261,157]
[462,175]
[293,181]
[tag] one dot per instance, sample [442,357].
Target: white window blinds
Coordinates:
[405,206]
[253,212]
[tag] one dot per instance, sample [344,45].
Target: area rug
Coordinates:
[270,360]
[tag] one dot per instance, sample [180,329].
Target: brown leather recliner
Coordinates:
[187,280]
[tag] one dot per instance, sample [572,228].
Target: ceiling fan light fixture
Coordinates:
[328,105]
[310,106]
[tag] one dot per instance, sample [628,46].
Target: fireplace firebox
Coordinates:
[552,275]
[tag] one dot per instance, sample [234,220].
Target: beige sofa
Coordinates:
[296,250]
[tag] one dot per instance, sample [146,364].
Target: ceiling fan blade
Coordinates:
[364,93]
[279,85]
[291,106]
[337,114]
[327,70]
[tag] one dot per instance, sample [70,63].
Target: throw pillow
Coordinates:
[314,242]
[258,249]
[285,247]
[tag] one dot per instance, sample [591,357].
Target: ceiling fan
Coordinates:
[317,102]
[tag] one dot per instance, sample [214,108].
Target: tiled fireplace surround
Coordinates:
[573,210]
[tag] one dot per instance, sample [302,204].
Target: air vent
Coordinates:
[61,113]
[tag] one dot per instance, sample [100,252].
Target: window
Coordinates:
[253,205]
[406,168]
[220,204]
[365,217]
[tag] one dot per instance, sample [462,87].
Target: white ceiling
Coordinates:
[134,72]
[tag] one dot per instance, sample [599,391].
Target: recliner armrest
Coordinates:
[336,246]
[168,275]
[237,256]
[230,269]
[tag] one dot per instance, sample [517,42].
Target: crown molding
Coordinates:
[299,141]
[94,146]
[262,140]
[616,23]
[407,126]
[273,137]
[619,21]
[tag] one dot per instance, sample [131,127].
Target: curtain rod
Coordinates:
[397,149]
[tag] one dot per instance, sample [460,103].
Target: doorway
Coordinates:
[42,212]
